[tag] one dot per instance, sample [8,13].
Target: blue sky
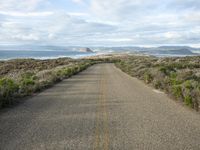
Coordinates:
[100,22]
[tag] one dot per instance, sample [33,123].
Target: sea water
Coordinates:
[41,54]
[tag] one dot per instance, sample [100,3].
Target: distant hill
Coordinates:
[86,49]
[174,47]
[156,51]
[169,51]
[180,51]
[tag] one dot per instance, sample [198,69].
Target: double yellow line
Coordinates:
[102,127]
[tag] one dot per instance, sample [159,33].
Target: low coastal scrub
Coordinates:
[8,90]
[178,77]
[27,78]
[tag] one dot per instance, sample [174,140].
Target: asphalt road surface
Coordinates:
[101,108]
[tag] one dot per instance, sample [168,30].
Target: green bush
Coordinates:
[177,91]
[29,75]
[163,70]
[188,85]
[173,75]
[75,69]
[174,81]
[83,66]
[27,83]
[69,71]
[59,73]
[8,90]
[167,69]
[188,100]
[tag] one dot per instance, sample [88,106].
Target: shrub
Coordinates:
[188,100]
[69,71]
[29,75]
[59,73]
[148,78]
[196,96]
[186,75]
[174,81]
[66,72]
[163,70]
[157,84]
[166,70]
[188,85]
[177,91]
[173,75]
[83,66]
[8,89]
[27,83]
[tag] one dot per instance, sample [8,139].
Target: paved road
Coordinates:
[100,109]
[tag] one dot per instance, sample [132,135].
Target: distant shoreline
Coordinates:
[41,55]
[96,55]
[54,52]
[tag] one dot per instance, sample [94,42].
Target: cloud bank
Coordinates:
[100,22]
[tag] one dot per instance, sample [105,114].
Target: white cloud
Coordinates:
[172,35]
[99,22]
[77,14]
[78,1]
[25,14]
[57,27]
[122,9]
[19,5]
[28,37]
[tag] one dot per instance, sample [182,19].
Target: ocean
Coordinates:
[42,54]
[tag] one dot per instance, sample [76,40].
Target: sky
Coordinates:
[100,22]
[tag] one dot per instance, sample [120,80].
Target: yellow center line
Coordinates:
[97,133]
[102,112]
[106,138]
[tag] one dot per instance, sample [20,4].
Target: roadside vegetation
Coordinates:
[179,77]
[23,77]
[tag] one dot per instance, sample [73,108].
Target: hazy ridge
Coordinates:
[49,51]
